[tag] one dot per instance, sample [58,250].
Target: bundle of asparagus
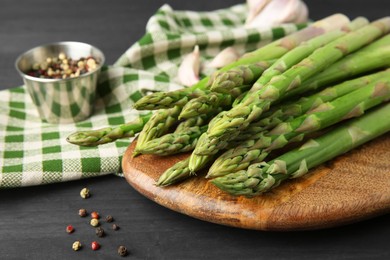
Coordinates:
[260,177]
[318,81]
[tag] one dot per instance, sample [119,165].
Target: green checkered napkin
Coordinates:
[35,153]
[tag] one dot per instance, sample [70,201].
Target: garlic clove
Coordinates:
[303,13]
[276,13]
[188,72]
[254,8]
[225,57]
[292,13]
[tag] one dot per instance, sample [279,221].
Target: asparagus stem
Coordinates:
[287,111]
[303,50]
[239,117]
[350,105]
[108,134]
[262,177]
[375,56]
[279,47]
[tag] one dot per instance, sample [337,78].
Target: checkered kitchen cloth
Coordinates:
[35,153]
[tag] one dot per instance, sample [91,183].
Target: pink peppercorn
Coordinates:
[95,245]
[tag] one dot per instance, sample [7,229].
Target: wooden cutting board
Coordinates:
[350,188]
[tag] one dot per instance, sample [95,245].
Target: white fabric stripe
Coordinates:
[69,175]
[133,54]
[71,169]
[30,178]
[32,154]
[5,97]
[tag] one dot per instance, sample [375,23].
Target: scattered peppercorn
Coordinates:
[76,246]
[82,213]
[109,219]
[122,251]
[84,193]
[95,245]
[115,227]
[95,215]
[99,232]
[69,229]
[94,222]
[62,67]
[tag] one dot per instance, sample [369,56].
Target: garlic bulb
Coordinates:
[277,12]
[255,7]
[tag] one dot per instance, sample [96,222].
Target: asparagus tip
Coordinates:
[136,153]
[160,183]
[78,138]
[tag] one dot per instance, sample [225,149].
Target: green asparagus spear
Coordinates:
[260,126]
[303,50]
[270,51]
[285,112]
[163,100]
[176,173]
[375,56]
[230,82]
[159,124]
[350,105]
[181,171]
[108,134]
[173,143]
[262,177]
[279,47]
[240,116]
[211,103]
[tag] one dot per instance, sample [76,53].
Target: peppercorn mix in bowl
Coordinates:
[61,79]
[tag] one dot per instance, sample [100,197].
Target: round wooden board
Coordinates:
[350,188]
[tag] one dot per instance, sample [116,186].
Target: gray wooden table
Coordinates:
[33,219]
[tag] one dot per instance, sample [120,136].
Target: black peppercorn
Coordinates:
[99,232]
[122,251]
[109,219]
[82,213]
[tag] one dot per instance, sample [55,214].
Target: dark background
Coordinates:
[33,219]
